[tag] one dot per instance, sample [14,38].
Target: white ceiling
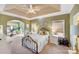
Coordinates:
[65,8]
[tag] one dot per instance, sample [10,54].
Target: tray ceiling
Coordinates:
[23,9]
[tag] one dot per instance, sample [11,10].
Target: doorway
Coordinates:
[74,36]
[15,27]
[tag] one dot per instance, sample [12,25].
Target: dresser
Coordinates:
[2,37]
[54,38]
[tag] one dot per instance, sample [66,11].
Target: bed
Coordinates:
[35,42]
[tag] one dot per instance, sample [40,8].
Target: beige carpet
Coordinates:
[54,49]
[15,47]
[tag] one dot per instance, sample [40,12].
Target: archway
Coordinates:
[15,27]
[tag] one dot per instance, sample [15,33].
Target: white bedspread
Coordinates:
[42,40]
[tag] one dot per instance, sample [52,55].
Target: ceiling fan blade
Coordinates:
[36,9]
[31,6]
[34,12]
[31,12]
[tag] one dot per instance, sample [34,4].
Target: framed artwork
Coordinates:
[1,29]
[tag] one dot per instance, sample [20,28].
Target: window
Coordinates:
[58,27]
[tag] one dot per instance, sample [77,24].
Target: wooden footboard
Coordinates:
[30,43]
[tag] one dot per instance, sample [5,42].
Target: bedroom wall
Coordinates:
[74,11]
[4,19]
[47,22]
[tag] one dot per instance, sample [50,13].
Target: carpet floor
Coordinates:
[15,47]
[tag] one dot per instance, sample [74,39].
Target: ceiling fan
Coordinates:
[32,10]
